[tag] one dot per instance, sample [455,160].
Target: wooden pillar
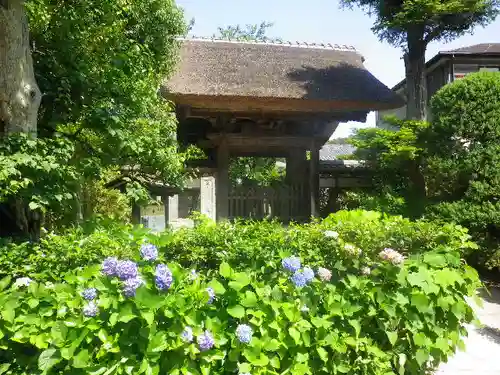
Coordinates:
[222,182]
[136,213]
[296,166]
[314,180]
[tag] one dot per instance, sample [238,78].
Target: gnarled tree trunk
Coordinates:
[19,95]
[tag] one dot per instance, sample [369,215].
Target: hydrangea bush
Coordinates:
[354,313]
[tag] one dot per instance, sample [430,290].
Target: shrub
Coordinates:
[57,254]
[464,160]
[364,315]
[241,244]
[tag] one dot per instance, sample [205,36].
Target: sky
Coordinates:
[321,21]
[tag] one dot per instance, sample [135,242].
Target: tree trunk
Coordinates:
[416,106]
[19,94]
[416,109]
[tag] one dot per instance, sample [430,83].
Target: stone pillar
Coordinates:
[166,212]
[222,182]
[314,180]
[173,208]
[207,197]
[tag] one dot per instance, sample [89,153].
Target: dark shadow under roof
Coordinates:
[270,70]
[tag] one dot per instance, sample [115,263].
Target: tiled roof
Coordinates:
[482,48]
[333,151]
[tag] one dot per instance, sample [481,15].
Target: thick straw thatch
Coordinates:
[266,70]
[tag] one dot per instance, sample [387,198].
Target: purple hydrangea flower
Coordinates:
[308,274]
[187,335]
[244,333]
[90,310]
[205,341]
[299,279]
[89,294]
[108,267]
[211,295]
[126,269]
[324,274]
[163,277]
[130,286]
[291,264]
[23,281]
[149,252]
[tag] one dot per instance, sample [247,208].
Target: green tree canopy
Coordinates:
[99,65]
[413,24]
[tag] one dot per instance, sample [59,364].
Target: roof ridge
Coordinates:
[275,42]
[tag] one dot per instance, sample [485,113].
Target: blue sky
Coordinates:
[320,21]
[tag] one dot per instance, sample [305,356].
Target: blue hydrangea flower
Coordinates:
[299,279]
[90,310]
[126,269]
[291,264]
[211,295]
[108,266]
[163,277]
[308,274]
[23,281]
[89,294]
[187,335]
[244,333]
[130,286]
[205,341]
[149,252]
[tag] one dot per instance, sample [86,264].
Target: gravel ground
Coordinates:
[482,354]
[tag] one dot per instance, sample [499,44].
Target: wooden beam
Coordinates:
[270,105]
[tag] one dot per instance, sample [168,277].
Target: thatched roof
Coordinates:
[279,71]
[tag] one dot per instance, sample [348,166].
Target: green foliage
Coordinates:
[396,159]
[432,19]
[256,32]
[57,254]
[413,24]
[383,201]
[242,244]
[392,319]
[37,171]
[255,170]
[464,152]
[99,65]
